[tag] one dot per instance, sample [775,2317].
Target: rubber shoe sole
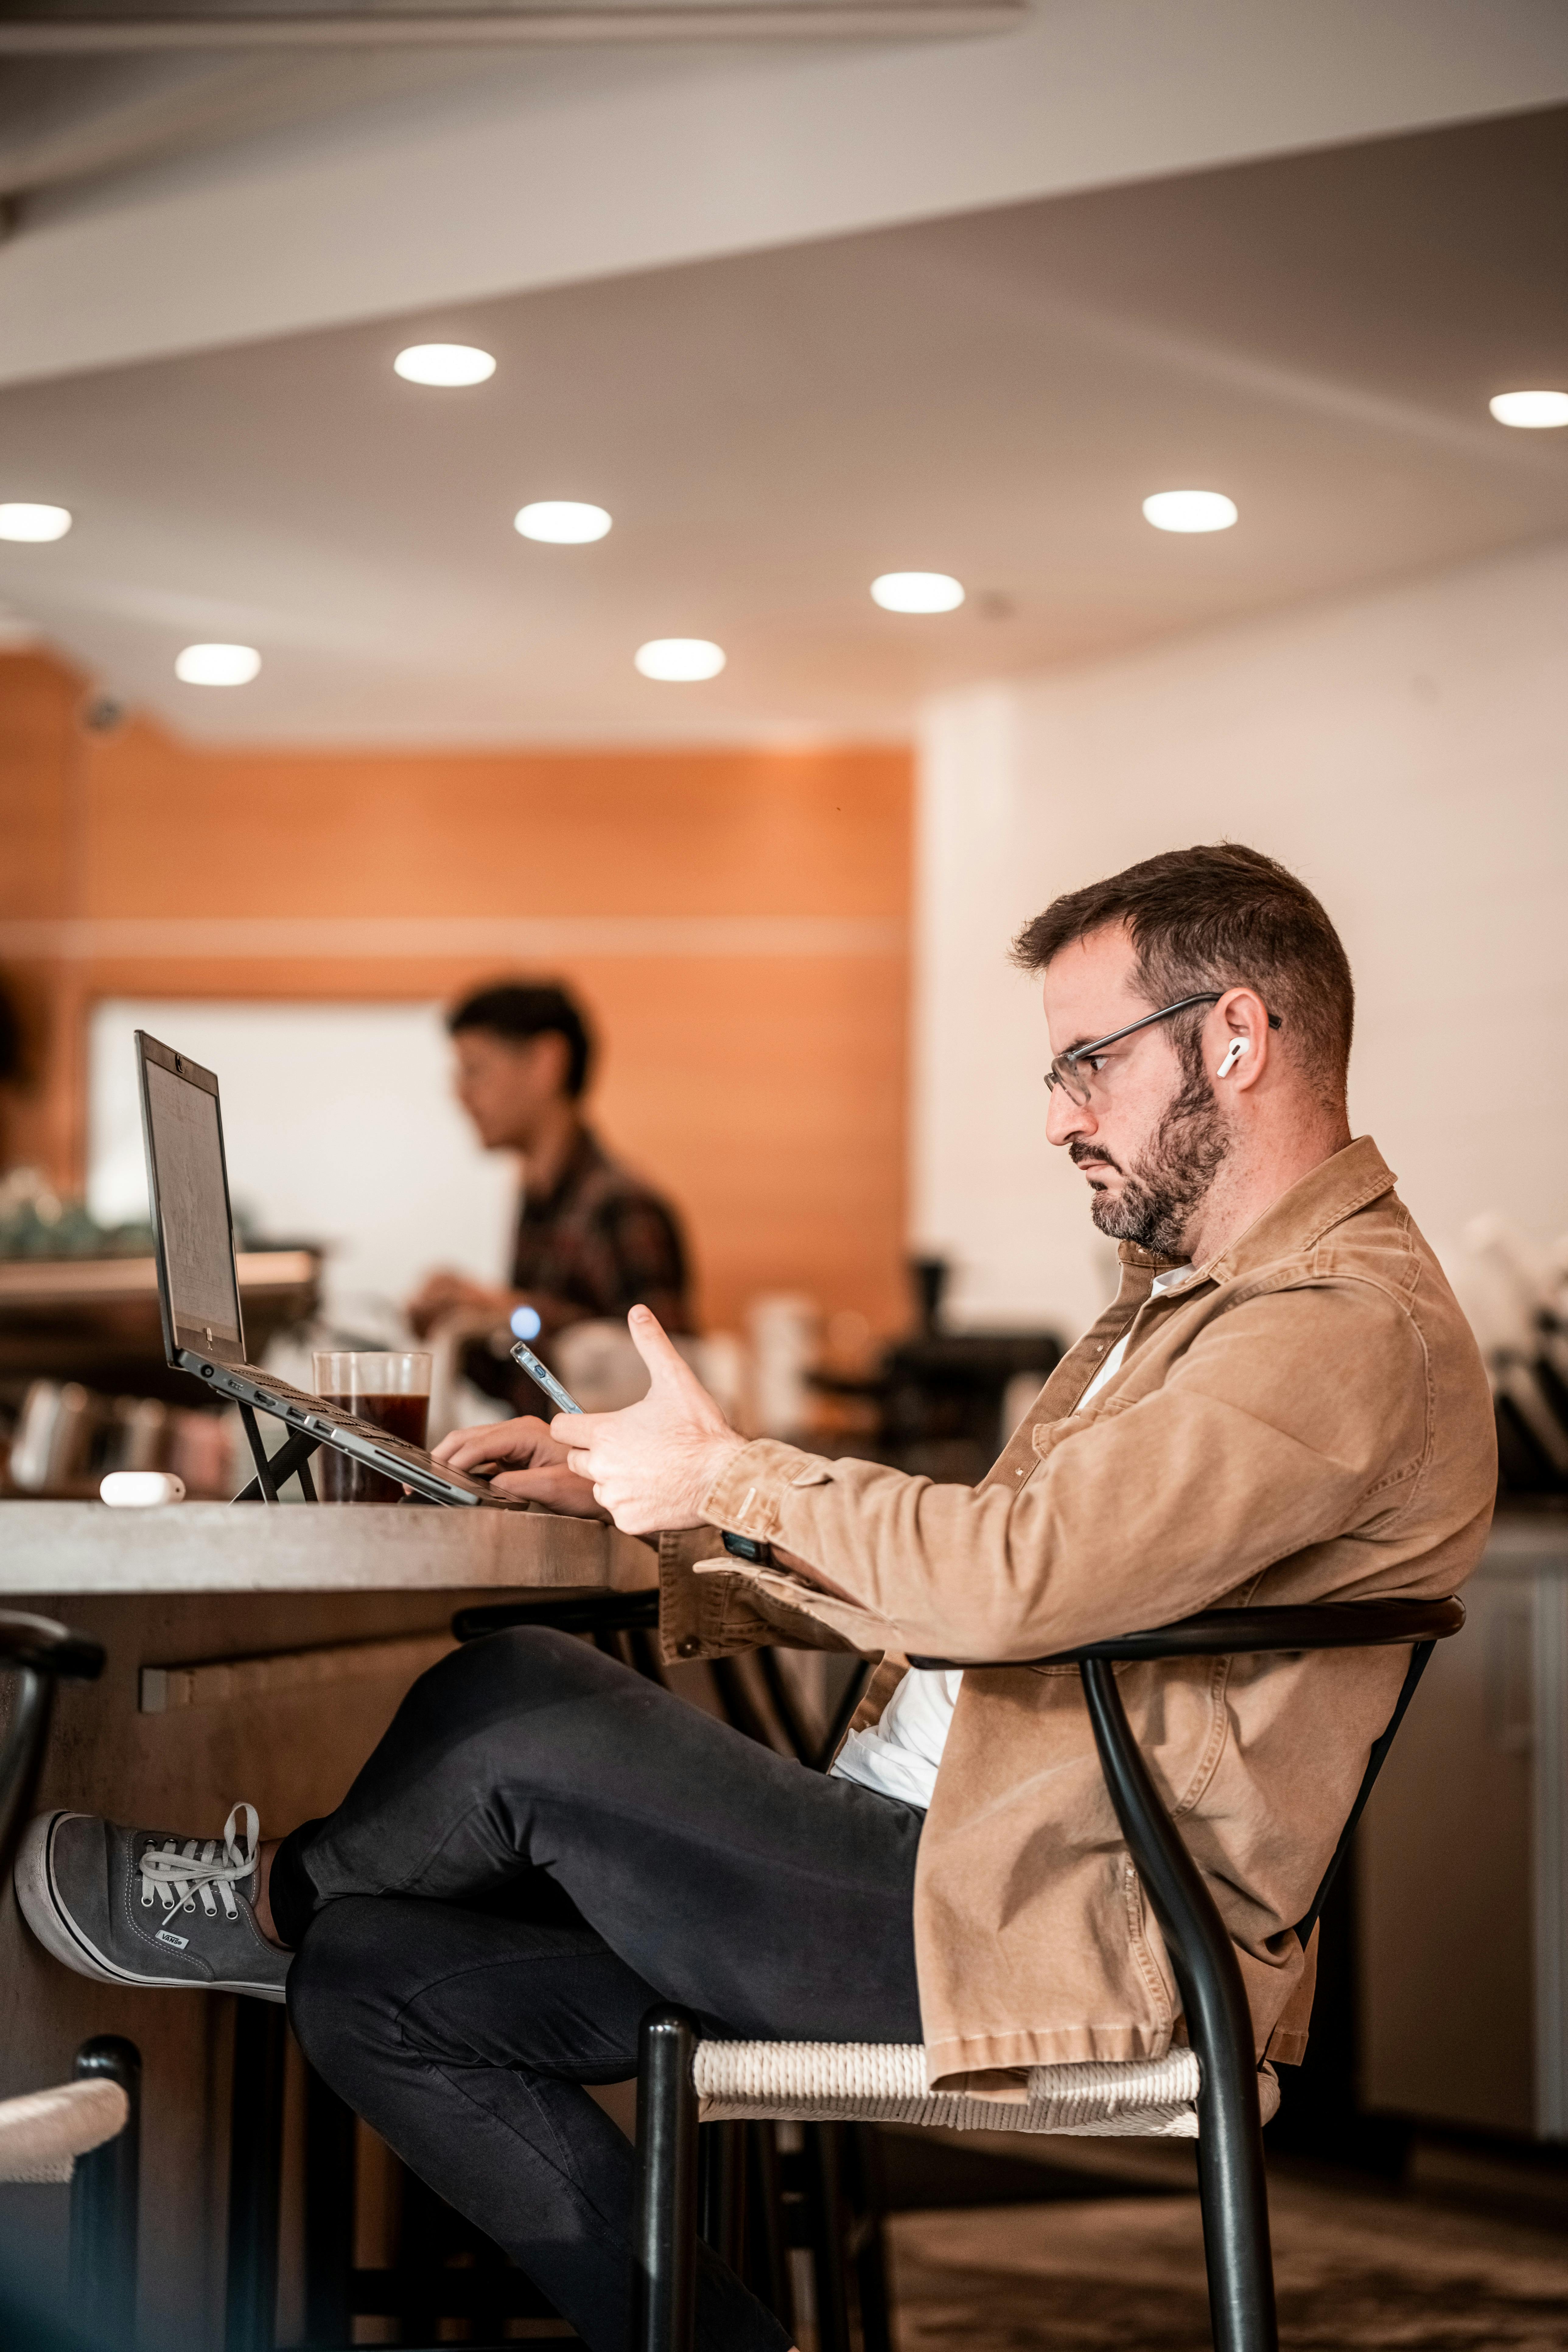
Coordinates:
[52,1924]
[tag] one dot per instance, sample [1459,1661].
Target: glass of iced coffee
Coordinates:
[388,1386]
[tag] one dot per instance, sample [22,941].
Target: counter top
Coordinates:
[66,1548]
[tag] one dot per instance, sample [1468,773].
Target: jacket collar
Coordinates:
[1297,1221]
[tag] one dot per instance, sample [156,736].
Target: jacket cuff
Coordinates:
[709,1608]
[748,1494]
[688,1614]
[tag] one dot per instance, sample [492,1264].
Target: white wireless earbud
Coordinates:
[1233,1053]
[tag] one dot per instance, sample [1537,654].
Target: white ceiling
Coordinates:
[991,394]
[181,204]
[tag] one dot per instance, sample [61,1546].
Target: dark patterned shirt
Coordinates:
[598,1242]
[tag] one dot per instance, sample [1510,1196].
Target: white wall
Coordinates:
[339,1127]
[1407,755]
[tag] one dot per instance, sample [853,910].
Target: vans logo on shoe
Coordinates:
[180,1943]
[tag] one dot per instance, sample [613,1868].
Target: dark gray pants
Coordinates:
[543,1846]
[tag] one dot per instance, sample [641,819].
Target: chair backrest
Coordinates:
[37,1653]
[1374,1764]
[1312,1625]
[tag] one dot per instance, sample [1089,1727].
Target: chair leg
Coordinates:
[1232,2191]
[1231,2179]
[870,2240]
[767,2267]
[255,2174]
[331,2161]
[664,2246]
[105,2188]
[824,2194]
[721,2191]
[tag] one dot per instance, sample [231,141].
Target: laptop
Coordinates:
[198,1293]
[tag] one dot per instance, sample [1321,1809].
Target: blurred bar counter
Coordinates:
[95,1319]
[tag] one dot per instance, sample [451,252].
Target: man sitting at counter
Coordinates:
[593,1239]
[1283,1404]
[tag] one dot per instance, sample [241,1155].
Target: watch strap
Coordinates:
[750,1548]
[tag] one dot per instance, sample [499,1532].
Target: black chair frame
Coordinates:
[1232,2189]
[105,2199]
[38,1653]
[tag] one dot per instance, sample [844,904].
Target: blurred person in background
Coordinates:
[593,1240]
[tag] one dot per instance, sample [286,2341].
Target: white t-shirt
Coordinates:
[899,1755]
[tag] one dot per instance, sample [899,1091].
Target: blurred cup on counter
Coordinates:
[390,1387]
[786,1341]
[140,1490]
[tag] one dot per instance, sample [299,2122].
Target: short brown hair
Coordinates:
[1220,916]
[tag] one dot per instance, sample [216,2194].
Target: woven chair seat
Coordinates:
[886,2082]
[44,2132]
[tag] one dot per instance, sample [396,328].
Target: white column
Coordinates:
[987,1192]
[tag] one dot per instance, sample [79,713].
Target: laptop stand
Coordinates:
[292,1460]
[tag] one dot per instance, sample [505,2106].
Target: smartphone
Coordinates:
[522,1354]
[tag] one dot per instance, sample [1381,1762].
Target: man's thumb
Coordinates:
[653,1344]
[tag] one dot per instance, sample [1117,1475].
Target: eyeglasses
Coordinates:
[1075,1071]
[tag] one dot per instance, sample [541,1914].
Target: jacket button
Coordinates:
[689,1648]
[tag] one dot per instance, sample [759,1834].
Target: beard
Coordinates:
[1162,1187]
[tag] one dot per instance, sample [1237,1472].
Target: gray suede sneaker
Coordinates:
[143,1908]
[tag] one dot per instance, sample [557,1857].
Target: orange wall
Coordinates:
[766,1091]
[40,844]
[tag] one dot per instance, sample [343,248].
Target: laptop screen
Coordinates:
[190,1190]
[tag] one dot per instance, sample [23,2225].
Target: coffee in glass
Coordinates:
[390,1387]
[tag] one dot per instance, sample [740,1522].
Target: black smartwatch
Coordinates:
[747,1548]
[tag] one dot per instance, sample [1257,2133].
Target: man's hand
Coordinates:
[541,1474]
[651,1465]
[443,1291]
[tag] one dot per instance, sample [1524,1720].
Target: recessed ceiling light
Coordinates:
[917,591]
[679,659]
[1531,412]
[1190,510]
[217,665]
[562,523]
[20,520]
[446,364]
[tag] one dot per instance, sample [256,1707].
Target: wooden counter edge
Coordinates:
[86,1548]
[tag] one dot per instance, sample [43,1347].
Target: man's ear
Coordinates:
[552,1059]
[1239,1027]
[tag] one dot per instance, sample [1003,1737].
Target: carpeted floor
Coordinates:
[1356,2269]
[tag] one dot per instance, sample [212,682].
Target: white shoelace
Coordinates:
[179,1873]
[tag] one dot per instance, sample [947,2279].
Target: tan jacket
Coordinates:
[1305,1417]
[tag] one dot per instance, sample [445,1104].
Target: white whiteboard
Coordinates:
[340,1127]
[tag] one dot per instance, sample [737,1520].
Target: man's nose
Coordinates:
[1065,1118]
